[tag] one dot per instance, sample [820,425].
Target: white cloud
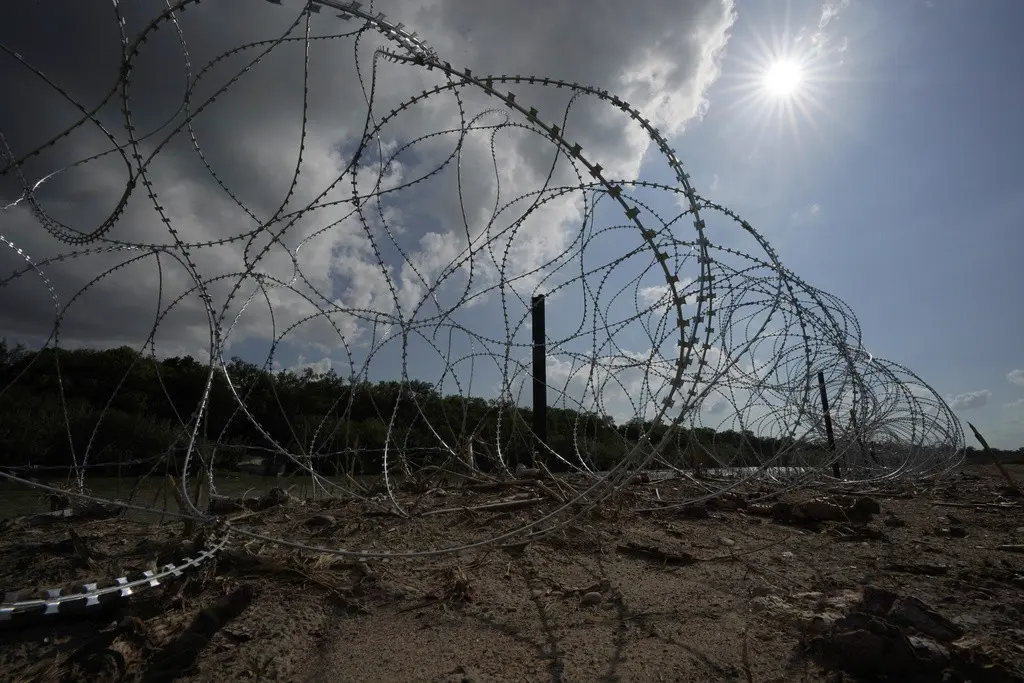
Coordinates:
[1016,377]
[1016,405]
[831,10]
[821,39]
[320,367]
[807,214]
[717,405]
[971,400]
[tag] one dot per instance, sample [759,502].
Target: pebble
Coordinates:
[787,555]
[591,598]
[727,541]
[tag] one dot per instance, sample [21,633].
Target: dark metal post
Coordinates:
[828,423]
[540,381]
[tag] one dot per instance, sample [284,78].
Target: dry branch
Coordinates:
[650,552]
[1002,470]
[488,507]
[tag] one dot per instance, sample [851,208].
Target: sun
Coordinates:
[782,78]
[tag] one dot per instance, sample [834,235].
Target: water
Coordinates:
[18,499]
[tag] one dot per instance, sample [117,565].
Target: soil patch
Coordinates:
[895,582]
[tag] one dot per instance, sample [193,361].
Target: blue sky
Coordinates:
[894,179]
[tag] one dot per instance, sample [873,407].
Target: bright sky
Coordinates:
[874,144]
[891,177]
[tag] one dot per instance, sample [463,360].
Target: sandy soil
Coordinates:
[927,585]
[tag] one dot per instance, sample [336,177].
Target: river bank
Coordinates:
[911,583]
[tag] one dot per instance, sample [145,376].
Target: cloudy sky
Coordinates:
[886,174]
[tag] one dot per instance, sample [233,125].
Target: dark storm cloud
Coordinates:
[659,54]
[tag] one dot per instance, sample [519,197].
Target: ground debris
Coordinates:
[180,655]
[654,553]
[886,636]
[922,568]
[837,508]
[784,603]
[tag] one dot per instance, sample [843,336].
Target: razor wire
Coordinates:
[671,312]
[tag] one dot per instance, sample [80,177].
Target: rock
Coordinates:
[985,661]
[966,621]
[812,612]
[910,611]
[787,555]
[930,652]
[877,601]
[892,637]
[321,520]
[770,604]
[863,508]
[868,647]
[727,541]
[590,599]
[857,650]
[834,509]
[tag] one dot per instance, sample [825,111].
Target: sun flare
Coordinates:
[782,78]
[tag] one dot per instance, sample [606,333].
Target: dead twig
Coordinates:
[734,554]
[995,506]
[82,550]
[498,485]
[566,495]
[190,525]
[1002,470]
[921,569]
[745,654]
[488,507]
[650,552]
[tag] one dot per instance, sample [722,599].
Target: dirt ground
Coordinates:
[890,582]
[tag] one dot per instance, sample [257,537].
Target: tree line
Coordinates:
[126,409]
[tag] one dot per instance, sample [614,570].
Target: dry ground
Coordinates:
[730,591]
